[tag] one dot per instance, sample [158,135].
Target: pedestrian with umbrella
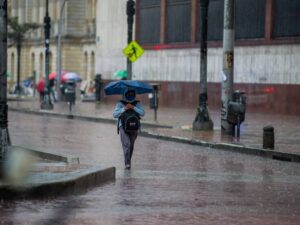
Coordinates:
[123,74]
[52,85]
[128,111]
[40,87]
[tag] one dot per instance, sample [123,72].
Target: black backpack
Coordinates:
[130,119]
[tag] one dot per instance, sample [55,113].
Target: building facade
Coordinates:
[266,55]
[78,37]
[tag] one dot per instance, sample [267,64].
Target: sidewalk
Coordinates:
[287,128]
[34,174]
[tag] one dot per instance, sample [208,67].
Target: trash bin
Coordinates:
[268,137]
[237,110]
[153,99]
[70,91]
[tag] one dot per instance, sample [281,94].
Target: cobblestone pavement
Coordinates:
[287,127]
[170,183]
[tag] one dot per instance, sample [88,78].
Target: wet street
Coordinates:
[169,183]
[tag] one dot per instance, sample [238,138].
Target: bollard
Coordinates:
[268,137]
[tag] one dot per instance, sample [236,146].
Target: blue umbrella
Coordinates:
[119,87]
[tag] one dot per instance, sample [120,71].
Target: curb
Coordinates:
[20,99]
[49,156]
[76,183]
[82,118]
[276,155]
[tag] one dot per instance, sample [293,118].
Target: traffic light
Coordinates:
[130,8]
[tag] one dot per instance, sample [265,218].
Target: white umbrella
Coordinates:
[70,76]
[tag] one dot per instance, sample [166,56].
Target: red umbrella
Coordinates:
[53,75]
[40,87]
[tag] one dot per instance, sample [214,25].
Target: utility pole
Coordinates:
[4,135]
[228,64]
[47,104]
[59,50]
[130,11]
[202,120]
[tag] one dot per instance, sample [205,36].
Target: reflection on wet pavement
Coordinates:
[170,183]
[286,127]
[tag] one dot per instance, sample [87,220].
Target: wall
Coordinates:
[111,31]
[269,74]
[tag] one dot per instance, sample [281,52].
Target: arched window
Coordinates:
[12,66]
[50,62]
[85,65]
[32,62]
[92,74]
[41,63]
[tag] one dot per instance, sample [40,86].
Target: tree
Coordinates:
[17,34]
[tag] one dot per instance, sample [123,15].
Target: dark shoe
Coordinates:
[127,166]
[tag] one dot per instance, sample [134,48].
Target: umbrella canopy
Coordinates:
[121,74]
[70,76]
[119,87]
[40,87]
[54,75]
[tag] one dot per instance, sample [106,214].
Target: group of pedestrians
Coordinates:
[40,87]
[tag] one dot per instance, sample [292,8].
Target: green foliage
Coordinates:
[17,32]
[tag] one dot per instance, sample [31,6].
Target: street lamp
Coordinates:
[59,50]
[4,135]
[47,104]
[130,11]
[202,120]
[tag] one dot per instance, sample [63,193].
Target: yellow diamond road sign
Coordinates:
[133,51]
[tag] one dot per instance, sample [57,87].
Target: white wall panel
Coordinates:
[254,64]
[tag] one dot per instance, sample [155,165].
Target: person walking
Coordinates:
[40,87]
[52,85]
[128,112]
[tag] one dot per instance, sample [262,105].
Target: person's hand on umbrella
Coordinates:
[128,106]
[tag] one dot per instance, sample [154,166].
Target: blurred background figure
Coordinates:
[83,87]
[18,165]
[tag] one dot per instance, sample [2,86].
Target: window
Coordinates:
[41,62]
[149,24]
[52,10]
[178,21]
[92,65]
[50,62]
[250,19]
[287,18]
[85,65]
[12,68]
[215,20]
[32,62]
[168,23]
